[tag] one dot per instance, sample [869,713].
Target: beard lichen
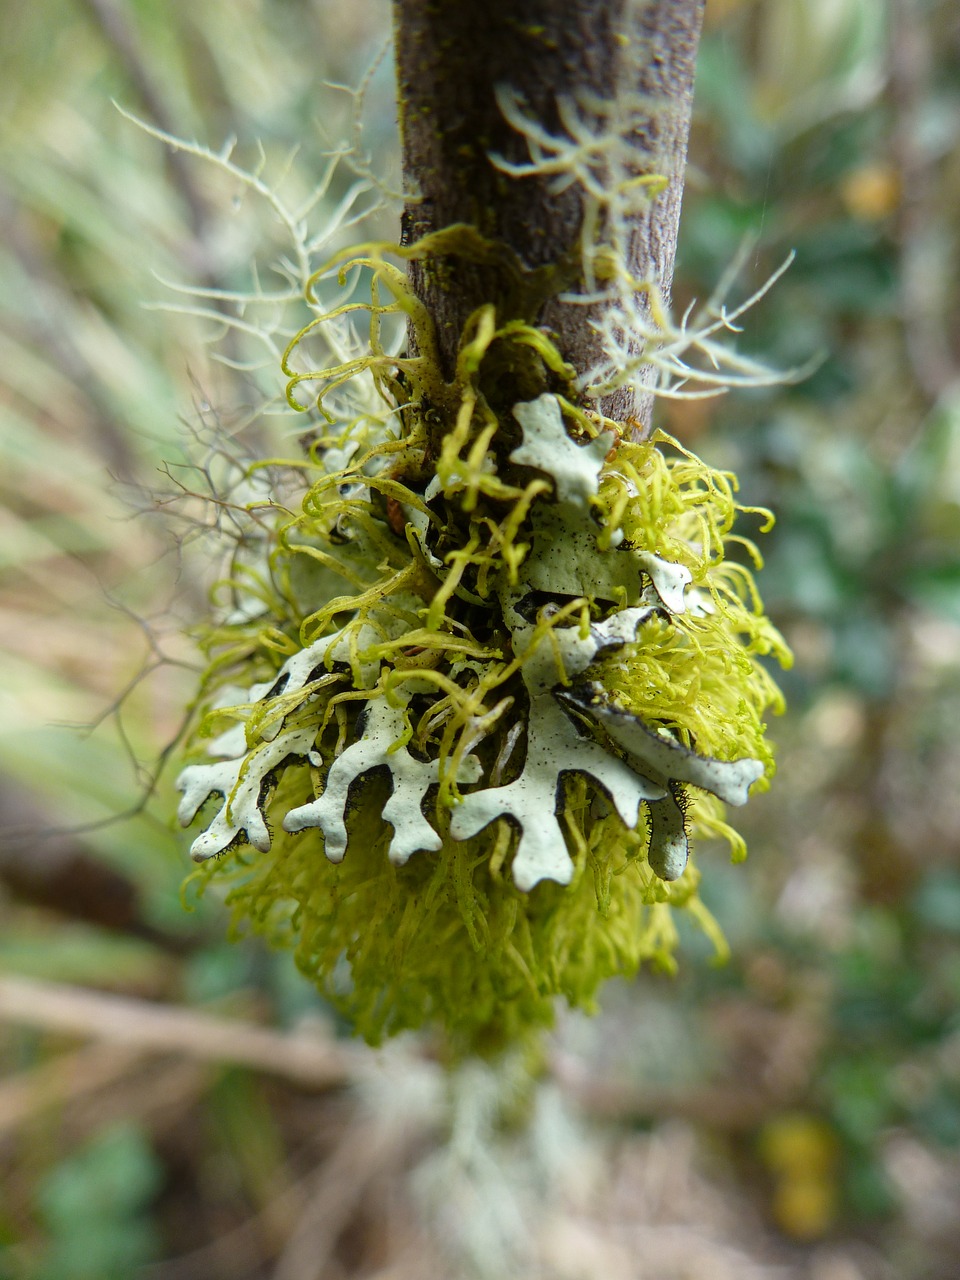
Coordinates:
[479,686]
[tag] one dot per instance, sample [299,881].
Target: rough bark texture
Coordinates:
[451,55]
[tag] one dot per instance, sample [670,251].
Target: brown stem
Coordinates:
[924,284]
[451,57]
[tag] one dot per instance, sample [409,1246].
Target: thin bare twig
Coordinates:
[366,1148]
[153,1028]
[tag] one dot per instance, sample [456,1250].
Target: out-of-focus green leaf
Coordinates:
[94,1205]
[937,900]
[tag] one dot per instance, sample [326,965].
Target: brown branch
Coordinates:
[927,323]
[137,1029]
[308,1059]
[452,55]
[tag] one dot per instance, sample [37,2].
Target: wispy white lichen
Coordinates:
[603,151]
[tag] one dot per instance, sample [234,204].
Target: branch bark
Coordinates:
[451,57]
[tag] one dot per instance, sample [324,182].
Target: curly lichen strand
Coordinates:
[421,370]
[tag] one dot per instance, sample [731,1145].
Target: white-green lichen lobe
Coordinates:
[568,727]
[410,779]
[574,469]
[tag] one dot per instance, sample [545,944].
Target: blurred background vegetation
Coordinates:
[176,1106]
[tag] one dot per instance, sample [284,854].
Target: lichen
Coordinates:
[488,667]
[490,696]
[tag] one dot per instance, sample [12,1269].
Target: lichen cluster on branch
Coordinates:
[486,664]
[497,671]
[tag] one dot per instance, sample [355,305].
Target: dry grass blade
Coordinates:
[366,1150]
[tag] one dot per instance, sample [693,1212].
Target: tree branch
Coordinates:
[452,57]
